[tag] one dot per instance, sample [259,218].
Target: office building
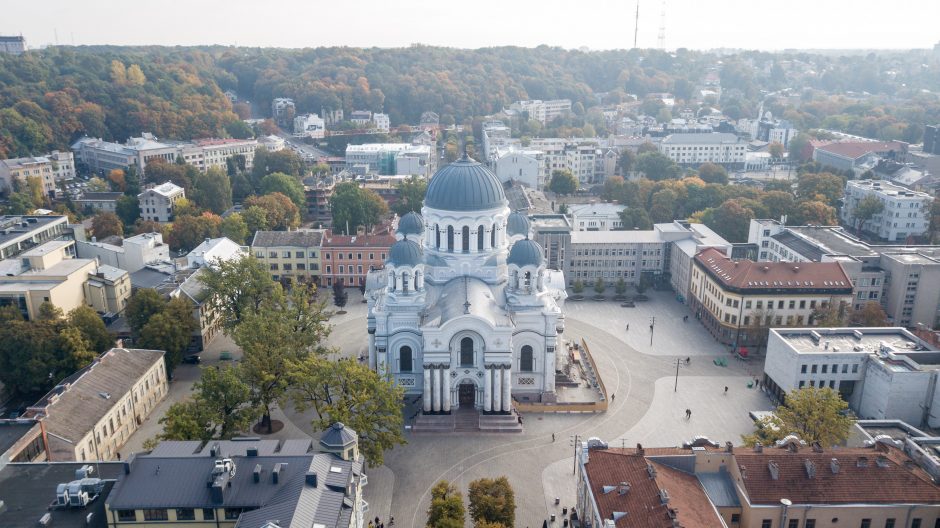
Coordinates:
[905,214]
[158,203]
[309,125]
[294,254]
[694,149]
[361,118]
[13,45]
[553,233]
[19,233]
[103,156]
[602,216]
[98,202]
[16,171]
[133,254]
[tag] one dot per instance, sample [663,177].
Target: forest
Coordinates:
[52,96]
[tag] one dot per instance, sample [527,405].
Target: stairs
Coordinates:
[467,421]
[500,423]
[434,423]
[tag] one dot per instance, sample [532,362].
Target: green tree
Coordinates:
[577,287]
[816,213]
[97,184]
[776,150]
[797,147]
[712,173]
[219,409]
[128,210]
[235,228]
[107,224]
[284,161]
[256,219]
[663,205]
[626,162]
[780,203]
[49,312]
[239,130]
[143,304]
[730,220]
[237,287]
[813,414]
[35,355]
[563,182]
[353,206]
[410,196]
[635,218]
[866,209]
[822,186]
[620,287]
[285,184]
[657,166]
[212,190]
[446,510]
[599,286]
[870,315]
[92,328]
[280,212]
[350,392]
[189,231]
[492,501]
[170,330]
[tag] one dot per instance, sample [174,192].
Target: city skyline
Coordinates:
[595,24]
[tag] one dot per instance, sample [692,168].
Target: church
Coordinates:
[465,313]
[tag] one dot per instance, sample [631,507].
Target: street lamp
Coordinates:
[574,443]
[652,326]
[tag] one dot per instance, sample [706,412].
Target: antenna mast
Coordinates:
[636,23]
[662,27]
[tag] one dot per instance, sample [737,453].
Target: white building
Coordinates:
[615,255]
[213,251]
[883,373]
[283,110]
[14,45]
[382,122]
[63,165]
[496,135]
[159,203]
[361,118]
[906,213]
[309,125]
[390,159]
[134,254]
[694,149]
[103,156]
[601,216]
[465,313]
[684,241]
[272,143]
[543,111]
[524,166]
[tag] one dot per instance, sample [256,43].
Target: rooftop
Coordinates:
[604,208]
[307,238]
[19,226]
[616,237]
[865,340]
[713,138]
[10,433]
[775,276]
[857,149]
[331,240]
[100,196]
[78,402]
[887,188]
[168,189]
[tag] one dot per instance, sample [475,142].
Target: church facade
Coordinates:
[465,312]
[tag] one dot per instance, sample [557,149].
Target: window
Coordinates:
[273,267]
[855,368]
[185,514]
[813,369]
[466,352]
[208,514]
[735,518]
[450,238]
[779,305]
[915,523]
[803,369]
[845,368]
[889,523]
[465,239]
[866,523]
[156,515]
[232,513]
[794,523]
[767,523]
[480,238]
[405,359]
[825,368]
[299,254]
[127,515]
[526,359]
[810,523]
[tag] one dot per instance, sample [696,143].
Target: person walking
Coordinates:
[726,390]
[612,396]
[628,327]
[688,414]
[553,437]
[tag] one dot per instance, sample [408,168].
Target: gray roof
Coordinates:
[465,185]
[27,490]
[712,138]
[11,431]
[11,226]
[234,447]
[720,489]
[100,196]
[526,252]
[147,278]
[306,238]
[338,435]
[799,245]
[518,224]
[411,224]
[450,301]
[404,253]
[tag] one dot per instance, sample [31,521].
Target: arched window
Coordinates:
[466,352]
[493,236]
[437,237]
[405,359]
[480,235]
[527,280]
[450,238]
[404,282]
[526,359]
[465,240]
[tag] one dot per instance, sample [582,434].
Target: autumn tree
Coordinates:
[635,218]
[865,210]
[563,182]
[776,150]
[713,173]
[285,184]
[280,212]
[446,510]
[492,501]
[236,287]
[97,184]
[829,315]
[235,228]
[212,190]
[190,231]
[821,186]
[116,177]
[870,315]
[355,207]
[816,213]
[813,414]
[170,330]
[107,224]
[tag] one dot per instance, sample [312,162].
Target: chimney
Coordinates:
[639,449]
[774,470]
[817,447]
[257,473]
[810,468]
[311,479]
[861,462]
[729,448]
[834,464]
[743,471]
[252,451]
[758,447]
[276,473]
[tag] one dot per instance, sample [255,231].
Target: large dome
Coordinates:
[465,185]
[525,252]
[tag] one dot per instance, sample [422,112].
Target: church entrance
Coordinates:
[466,395]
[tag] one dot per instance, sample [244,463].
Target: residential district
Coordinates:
[452,263]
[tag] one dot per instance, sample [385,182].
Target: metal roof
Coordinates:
[526,252]
[465,185]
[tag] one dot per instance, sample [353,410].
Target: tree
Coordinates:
[492,501]
[170,330]
[626,162]
[144,304]
[712,173]
[599,286]
[220,408]
[813,414]
[339,294]
[620,287]
[212,190]
[236,287]
[239,129]
[235,228]
[775,148]
[128,209]
[92,328]
[816,213]
[285,161]
[280,212]
[779,204]
[821,186]
[185,420]
[635,218]
[829,315]
[797,147]
[870,315]
[97,184]
[285,184]
[446,510]
[353,206]
[577,287]
[135,76]
[189,231]
[730,220]
[657,166]
[107,224]
[663,205]
[410,196]
[37,354]
[116,177]
[866,209]
[350,392]
[563,182]
[49,312]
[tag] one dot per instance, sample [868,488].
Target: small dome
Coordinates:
[465,185]
[404,253]
[338,436]
[525,252]
[518,224]
[411,224]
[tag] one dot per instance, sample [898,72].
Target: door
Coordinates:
[467,395]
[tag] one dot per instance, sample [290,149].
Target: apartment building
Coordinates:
[390,159]
[92,413]
[496,135]
[215,153]
[19,233]
[290,254]
[695,149]
[382,122]
[283,110]
[98,202]
[244,483]
[597,216]
[787,485]
[17,170]
[614,255]
[525,166]
[543,111]
[309,125]
[134,253]
[48,273]
[685,240]
[103,156]
[733,298]
[360,118]
[906,213]
[348,258]
[63,165]
[318,191]
[159,203]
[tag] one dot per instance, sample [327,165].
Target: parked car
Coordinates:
[225,356]
[192,360]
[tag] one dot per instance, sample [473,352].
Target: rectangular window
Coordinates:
[915,523]
[845,368]
[794,523]
[767,523]
[185,514]
[208,514]
[792,304]
[802,369]
[232,513]
[810,523]
[780,305]
[285,254]
[866,523]
[299,254]
[855,368]
[802,383]
[813,369]
[825,369]
[802,304]
[127,515]
[156,515]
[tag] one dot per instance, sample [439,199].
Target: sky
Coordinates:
[595,24]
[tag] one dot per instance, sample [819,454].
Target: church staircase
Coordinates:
[467,421]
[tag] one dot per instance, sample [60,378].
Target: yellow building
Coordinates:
[290,254]
[90,414]
[19,169]
[733,298]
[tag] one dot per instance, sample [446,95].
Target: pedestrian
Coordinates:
[726,390]
[612,396]
[376,520]
[688,413]
[628,327]
[553,437]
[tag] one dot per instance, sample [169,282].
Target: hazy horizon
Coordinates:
[839,25]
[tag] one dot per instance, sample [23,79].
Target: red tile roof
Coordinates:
[781,276]
[642,503]
[857,149]
[898,482]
